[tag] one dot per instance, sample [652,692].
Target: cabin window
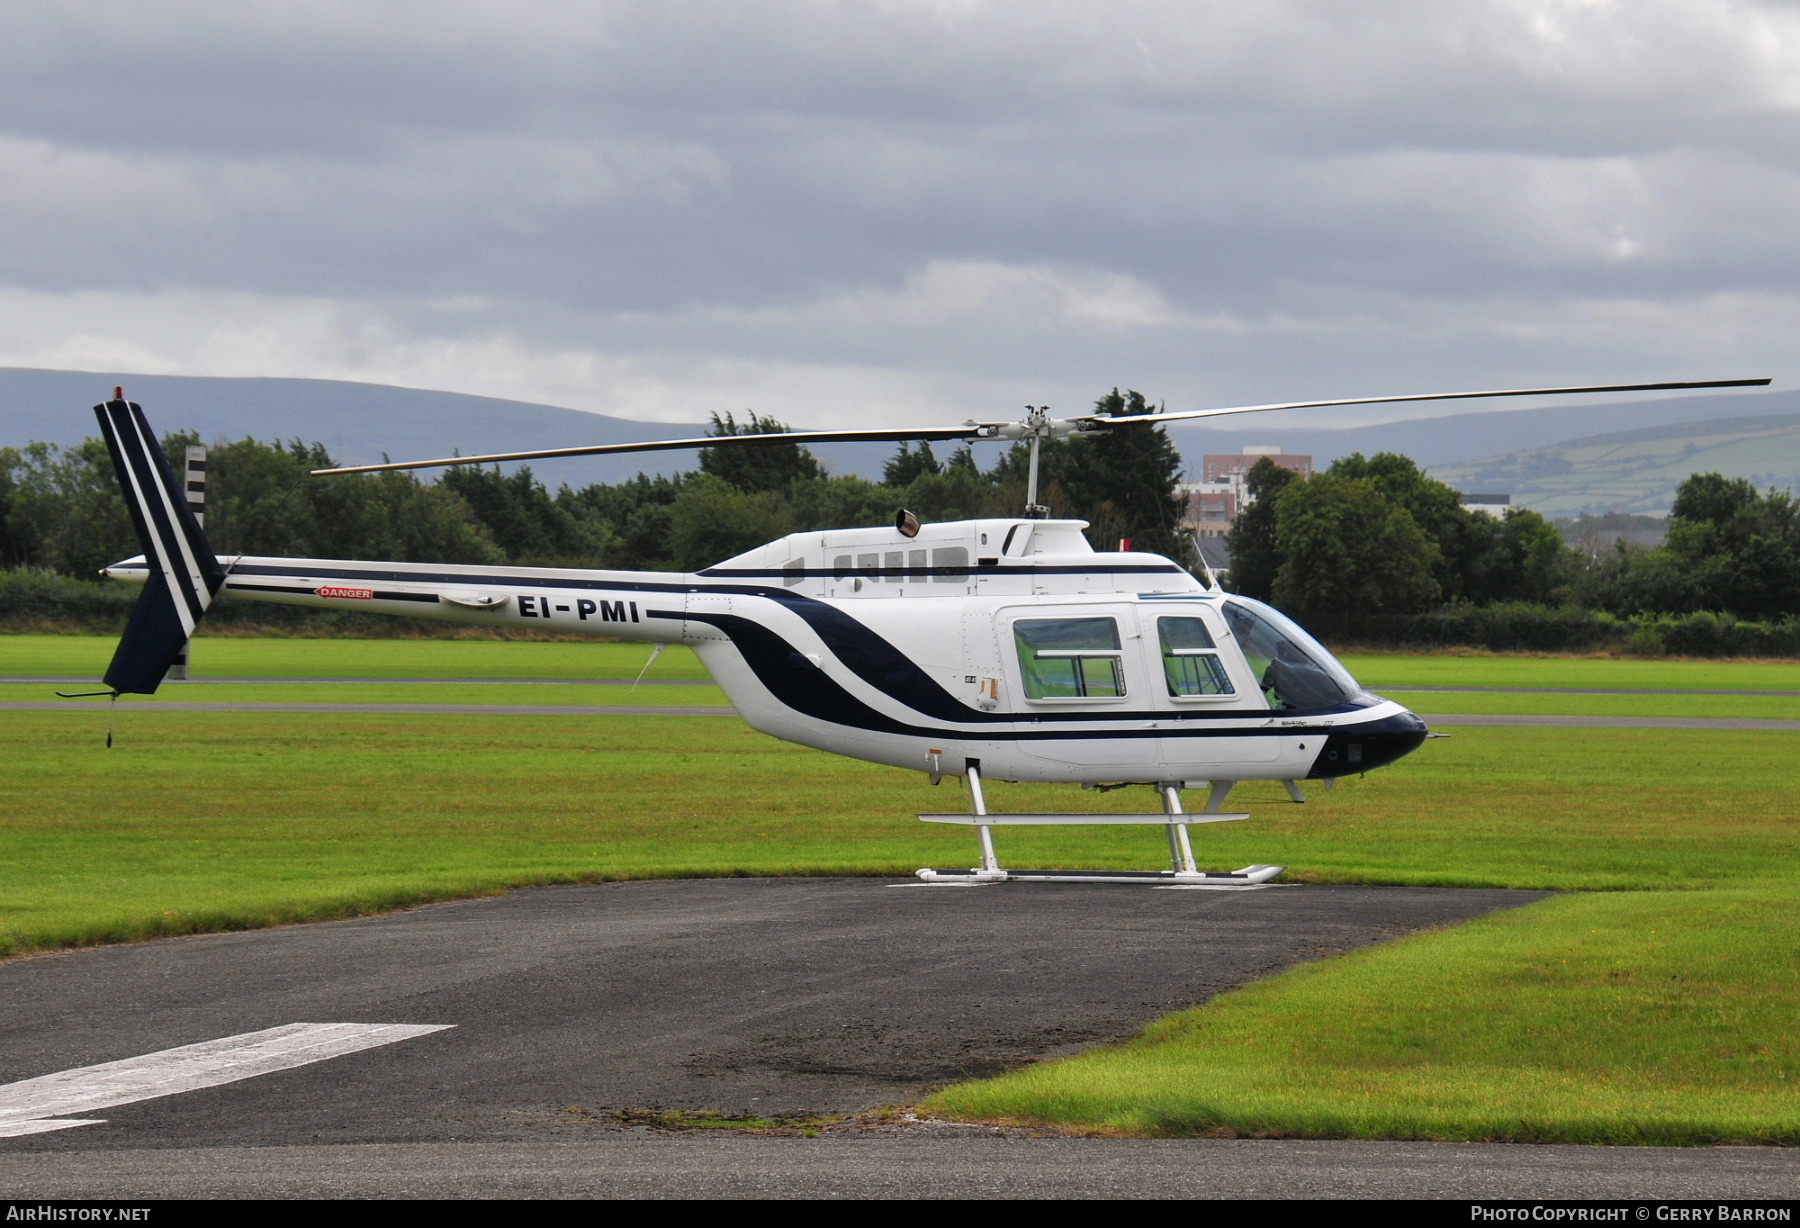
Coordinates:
[1293,669]
[949,565]
[1070,658]
[794,572]
[896,566]
[916,566]
[840,567]
[1191,662]
[868,566]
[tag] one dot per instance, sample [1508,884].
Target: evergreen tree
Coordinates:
[525,521]
[907,466]
[771,466]
[636,516]
[1122,482]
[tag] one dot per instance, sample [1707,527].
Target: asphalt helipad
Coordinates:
[492,1046]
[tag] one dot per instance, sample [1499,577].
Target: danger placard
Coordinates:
[354,594]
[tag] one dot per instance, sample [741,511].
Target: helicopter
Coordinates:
[994,649]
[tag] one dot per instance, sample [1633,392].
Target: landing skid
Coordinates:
[1182,871]
[1249,876]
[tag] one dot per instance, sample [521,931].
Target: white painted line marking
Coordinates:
[24,1105]
[43,1125]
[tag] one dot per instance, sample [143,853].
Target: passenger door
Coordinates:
[1066,662]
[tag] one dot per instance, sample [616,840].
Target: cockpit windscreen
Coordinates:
[1293,669]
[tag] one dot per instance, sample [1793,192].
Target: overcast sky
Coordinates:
[867,213]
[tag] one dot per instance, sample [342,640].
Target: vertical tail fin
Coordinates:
[184,573]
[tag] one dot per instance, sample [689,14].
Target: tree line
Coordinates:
[1372,537]
[1368,538]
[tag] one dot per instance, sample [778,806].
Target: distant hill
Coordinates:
[360,422]
[1442,444]
[357,422]
[1637,471]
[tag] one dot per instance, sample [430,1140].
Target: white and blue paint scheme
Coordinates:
[1011,644]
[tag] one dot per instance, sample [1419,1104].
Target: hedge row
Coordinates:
[1518,627]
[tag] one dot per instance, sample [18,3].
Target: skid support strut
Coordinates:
[1181,853]
[990,871]
[1181,872]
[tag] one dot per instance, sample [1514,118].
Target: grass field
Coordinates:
[230,657]
[1654,1005]
[1492,669]
[1640,1017]
[398,693]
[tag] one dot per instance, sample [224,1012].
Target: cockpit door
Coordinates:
[1218,725]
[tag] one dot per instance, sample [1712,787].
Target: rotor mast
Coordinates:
[1037,422]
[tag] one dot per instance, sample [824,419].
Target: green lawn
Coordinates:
[1763,707]
[1379,670]
[211,820]
[1656,1004]
[231,657]
[1640,1017]
[396,693]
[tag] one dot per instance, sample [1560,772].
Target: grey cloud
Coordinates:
[1220,196]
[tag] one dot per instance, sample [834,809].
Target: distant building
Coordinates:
[1494,505]
[1215,500]
[1228,467]
[1209,512]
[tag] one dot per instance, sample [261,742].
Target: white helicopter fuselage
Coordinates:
[1008,644]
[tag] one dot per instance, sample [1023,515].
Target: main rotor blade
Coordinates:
[933,434]
[987,430]
[1102,419]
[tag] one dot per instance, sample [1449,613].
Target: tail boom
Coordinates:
[612,604]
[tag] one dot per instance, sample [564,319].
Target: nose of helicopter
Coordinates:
[1376,743]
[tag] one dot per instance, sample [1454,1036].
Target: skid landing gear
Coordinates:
[1182,871]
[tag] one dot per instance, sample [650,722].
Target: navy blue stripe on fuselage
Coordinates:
[891,672]
[803,687]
